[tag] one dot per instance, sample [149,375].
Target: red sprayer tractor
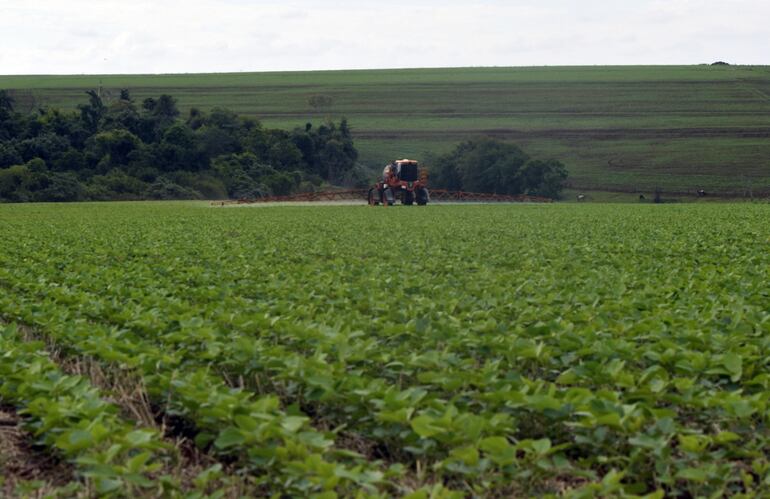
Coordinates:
[401,179]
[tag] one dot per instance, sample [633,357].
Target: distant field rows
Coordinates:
[630,128]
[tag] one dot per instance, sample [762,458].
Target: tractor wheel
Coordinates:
[374,198]
[408,198]
[422,197]
[388,196]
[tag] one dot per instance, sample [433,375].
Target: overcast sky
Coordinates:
[139,36]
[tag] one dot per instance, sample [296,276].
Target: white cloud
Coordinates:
[78,36]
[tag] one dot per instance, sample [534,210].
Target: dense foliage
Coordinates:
[505,350]
[489,165]
[118,149]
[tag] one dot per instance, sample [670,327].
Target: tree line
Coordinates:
[121,149]
[493,166]
[118,149]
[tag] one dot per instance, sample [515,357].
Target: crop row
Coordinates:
[281,449]
[513,357]
[359,395]
[419,417]
[69,415]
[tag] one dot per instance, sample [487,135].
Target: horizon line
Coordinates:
[279,71]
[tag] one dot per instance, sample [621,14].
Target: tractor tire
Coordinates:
[374,197]
[388,196]
[422,197]
[408,198]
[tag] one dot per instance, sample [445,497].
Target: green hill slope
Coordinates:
[681,128]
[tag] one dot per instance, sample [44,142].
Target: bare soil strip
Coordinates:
[21,461]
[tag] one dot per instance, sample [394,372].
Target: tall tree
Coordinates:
[92,113]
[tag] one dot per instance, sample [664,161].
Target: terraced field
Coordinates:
[680,128]
[592,350]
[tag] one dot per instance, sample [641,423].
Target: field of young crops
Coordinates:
[447,351]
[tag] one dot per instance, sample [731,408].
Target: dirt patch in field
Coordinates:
[21,462]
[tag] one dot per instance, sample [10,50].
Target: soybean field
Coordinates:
[184,350]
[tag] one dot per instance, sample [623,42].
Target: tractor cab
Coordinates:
[407,170]
[403,170]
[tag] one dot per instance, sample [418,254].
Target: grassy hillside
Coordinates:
[617,128]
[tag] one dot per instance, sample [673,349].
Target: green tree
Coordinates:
[58,186]
[116,184]
[281,183]
[217,142]
[544,178]
[164,188]
[9,155]
[493,166]
[66,126]
[285,155]
[485,165]
[123,114]
[91,114]
[46,146]
[180,149]
[165,108]
[335,160]
[117,144]
[15,183]
[116,150]
[71,160]
[158,115]
[223,119]
[243,175]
